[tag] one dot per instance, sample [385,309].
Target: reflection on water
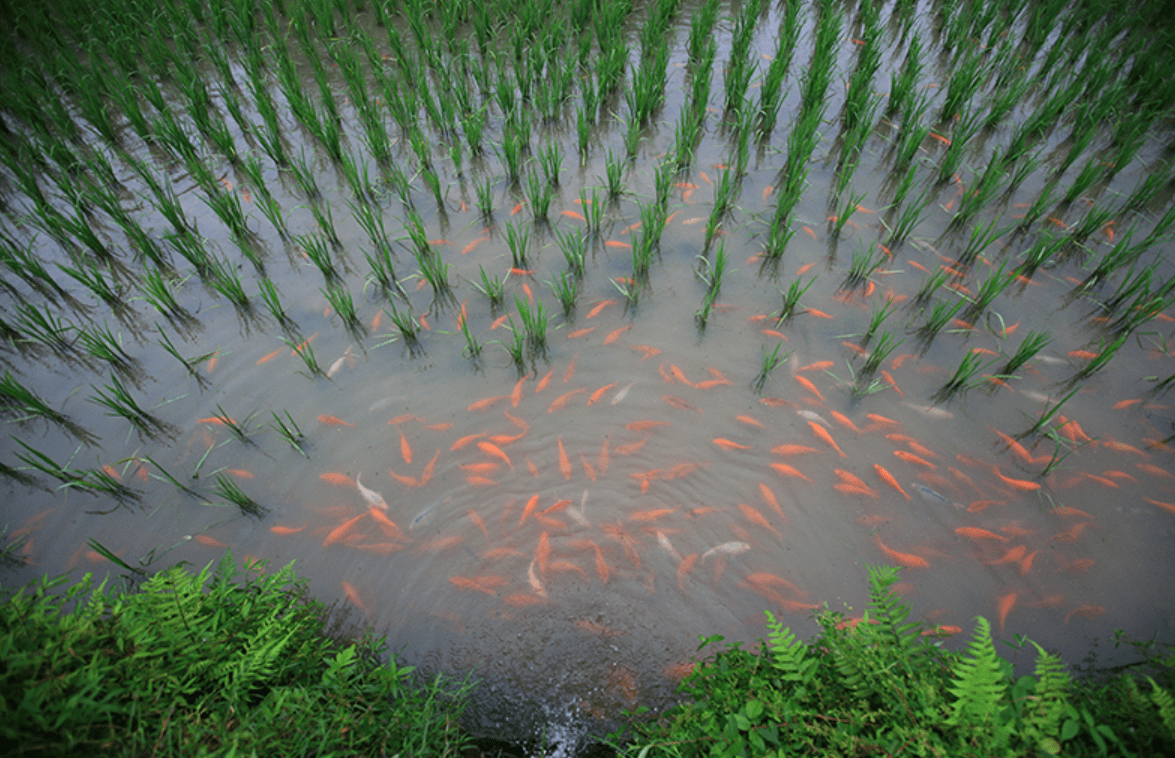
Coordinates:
[569,535]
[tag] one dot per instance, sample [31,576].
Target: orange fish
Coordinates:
[271,356]
[564,463]
[808,385]
[595,311]
[975,533]
[389,527]
[353,596]
[679,375]
[852,489]
[588,468]
[529,509]
[1005,605]
[285,530]
[683,569]
[332,421]
[616,243]
[911,458]
[574,215]
[889,479]
[882,420]
[750,421]
[728,445]
[1019,484]
[615,335]
[341,480]
[644,426]
[542,385]
[204,539]
[580,333]
[602,566]
[499,321]
[466,440]
[680,404]
[758,519]
[600,392]
[562,400]
[405,448]
[426,475]
[786,470]
[843,420]
[339,531]
[570,372]
[240,473]
[481,405]
[602,464]
[628,449]
[410,481]
[493,450]
[516,394]
[473,245]
[851,479]
[823,434]
[905,559]
[818,366]
[793,450]
[647,351]
[769,498]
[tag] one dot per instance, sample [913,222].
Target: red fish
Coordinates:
[1005,605]
[564,463]
[889,479]
[769,498]
[466,440]
[600,392]
[823,434]
[481,405]
[562,400]
[493,450]
[332,421]
[728,445]
[595,311]
[786,470]
[580,333]
[808,385]
[911,458]
[339,531]
[758,519]
[285,530]
[426,475]
[353,596]
[615,335]
[905,559]
[542,385]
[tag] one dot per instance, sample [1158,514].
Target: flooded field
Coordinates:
[550,337]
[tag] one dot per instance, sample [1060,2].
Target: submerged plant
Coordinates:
[768,363]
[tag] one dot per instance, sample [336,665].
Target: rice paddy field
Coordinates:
[552,336]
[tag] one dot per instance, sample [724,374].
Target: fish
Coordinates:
[409,481]
[679,403]
[750,421]
[595,311]
[645,425]
[758,519]
[339,531]
[808,385]
[387,525]
[466,440]
[588,469]
[623,393]
[535,584]
[601,566]
[574,215]
[1085,611]
[465,583]
[334,421]
[580,333]
[285,530]
[684,568]
[561,402]
[481,405]
[843,420]
[270,356]
[769,498]
[1004,606]
[667,546]
[911,458]
[726,548]
[975,533]
[564,463]
[928,494]
[786,470]
[1018,484]
[203,539]
[812,416]
[904,559]
[881,420]
[542,385]
[889,479]
[931,411]
[823,434]
[426,475]
[543,553]
[615,334]
[600,392]
[341,480]
[405,448]
[679,375]
[493,450]
[373,498]
[353,596]
[646,351]
[793,450]
[529,509]
[728,445]
[1012,556]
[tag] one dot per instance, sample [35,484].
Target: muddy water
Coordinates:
[569,535]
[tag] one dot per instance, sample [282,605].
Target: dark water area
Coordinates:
[568,524]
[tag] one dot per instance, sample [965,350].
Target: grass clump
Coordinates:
[220,661]
[865,686]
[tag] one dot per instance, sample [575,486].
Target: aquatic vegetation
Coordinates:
[769,362]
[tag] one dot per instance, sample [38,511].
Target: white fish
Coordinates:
[619,396]
[535,584]
[1051,360]
[578,515]
[931,411]
[338,364]
[1039,397]
[813,416]
[667,546]
[373,498]
[726,548]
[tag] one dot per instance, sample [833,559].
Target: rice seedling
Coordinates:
[1090,175]
[1122,254]
[433,183]
[99,342]
[1097,218]
[539,196]
[534,323]
[1033,343]
[40,326]
[722,204]
[22,261]
[964,379]
[768,363]
[28,405]
[304,351]
[614,179]
[583,132]
[988,291]
[493,289]
[511,156]
[884,347]
[879,314]
[1046,415]
[566,289]
[119,402]
[702,315]
[237,428]
[341,300]
[164,475]
[289,432]
[769,93]
[965,80]
[685,139]
[485,198]
[713,273]
[436,273]
[518,240]
[90,276]
[46,465]
[1039,254]
[910,217]
[845,213]
[304,177]
[939,315]
[516,348]
[791,299]
[472,349]
[228,490]
[862,267]
[902,83]
[593,210]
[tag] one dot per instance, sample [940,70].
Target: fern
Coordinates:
[790,656]
[1166,705]
[979,684]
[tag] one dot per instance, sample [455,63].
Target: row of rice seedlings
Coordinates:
[738,70]
[863,265]
[791,300]
[38,326]
[770,93]
[189,364]
[229,490]
[96,482]
[99,342]
[344,305]
[965,378]
[884,347]
[27,404]
[712,273]
[119,402]
[837,223]
[566,289]
[981,192]
[534,323]
[937,317]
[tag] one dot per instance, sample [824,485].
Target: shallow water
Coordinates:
[661,513]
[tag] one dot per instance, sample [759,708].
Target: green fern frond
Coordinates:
[1166,705]
[789,653]
[979,683]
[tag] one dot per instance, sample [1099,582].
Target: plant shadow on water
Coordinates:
[502,427]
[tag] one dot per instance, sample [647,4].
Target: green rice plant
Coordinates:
[493,289]
[583,132]
[304,177]
[685,139]
[433,183]
[939,315]
[909,142]
[574,248]
[981,193]
[119,402]
[981,238]
[791,299]
[317,251]
[883,348]
[966,127]
[902,83]
[516,348]
[485,198]
[46,465]
[1120,255]
[225,280]
[768,363]
[189,364]
[17,399]
[21,260]
[409,328]
[1043,200]
[371,221]
[325,220]
[642,257]
[1097,218]
[436,273]
[769,94]
[864,263]
[566,289]
[778,235]
[593,210]
[1046,415]
[289,432]
[908,218]
[987,292]
[1033,343]
[472,349]
[539,196]
[551,159]
[40,326]
[99,342]
[1039,254]
[228,490]
[846,212]
[966,78]
[304,351]
[614,171]
[518,240]
[100,482]
[269,296]
[90,276]
[877,317]
[1090,175]
[238,429]
[964,379]
[534,323]
[511,157]
[341,300]
[713,273]
[1148,188]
